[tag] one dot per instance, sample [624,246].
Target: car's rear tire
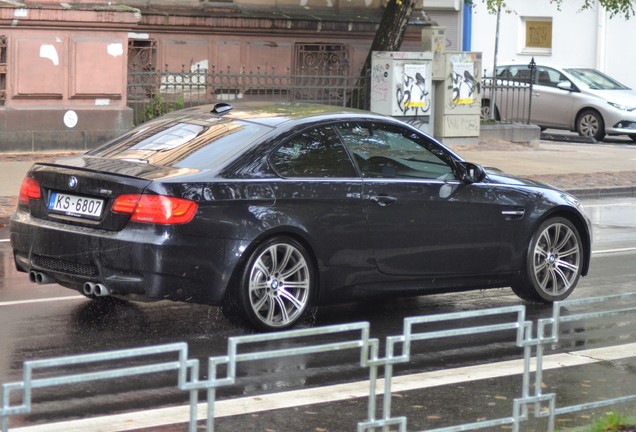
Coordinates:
[485,110]
[276,284]
[553,262]
[590,123]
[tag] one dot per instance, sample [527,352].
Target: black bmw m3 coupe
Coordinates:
[268,209]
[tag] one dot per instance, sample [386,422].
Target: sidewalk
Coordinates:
[586,170]
[13,168]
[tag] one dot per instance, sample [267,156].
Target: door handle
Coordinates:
[514,214]
[383,200]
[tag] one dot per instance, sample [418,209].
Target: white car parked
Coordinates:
[577,99]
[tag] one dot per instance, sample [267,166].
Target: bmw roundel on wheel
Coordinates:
[270,209]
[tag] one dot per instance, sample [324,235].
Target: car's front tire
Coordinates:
[553,263]
[591,124]
[276,284]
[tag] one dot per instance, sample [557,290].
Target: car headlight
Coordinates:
[622,107]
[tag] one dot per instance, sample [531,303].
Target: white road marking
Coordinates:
[608,251]
[4,240]
[250,405]
[618,204]
[41,300]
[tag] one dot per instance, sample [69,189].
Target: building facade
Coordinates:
[65,66]
[567,36]
[62,76]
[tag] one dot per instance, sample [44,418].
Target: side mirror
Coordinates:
[565,85]
[471,173]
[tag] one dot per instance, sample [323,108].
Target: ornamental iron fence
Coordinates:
[154,93]
[506,100]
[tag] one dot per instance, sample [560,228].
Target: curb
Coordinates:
[568,138]
[604,192]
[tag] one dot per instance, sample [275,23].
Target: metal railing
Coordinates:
[153,93]
[182,365]
[509,325]
[506,101]
[548,333]
[518,325]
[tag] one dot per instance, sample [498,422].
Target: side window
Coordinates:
[520,73]
[504,73]
[549,77]
[315,153]
[386,151]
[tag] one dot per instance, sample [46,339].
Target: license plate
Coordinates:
[73,205]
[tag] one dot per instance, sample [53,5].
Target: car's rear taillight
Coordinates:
[159,209]
[29,190]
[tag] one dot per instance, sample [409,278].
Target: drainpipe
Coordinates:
[601,37]
[467,35]
[494,65]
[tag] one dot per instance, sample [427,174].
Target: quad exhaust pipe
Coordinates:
[40,278]
[95,289]
[89,289]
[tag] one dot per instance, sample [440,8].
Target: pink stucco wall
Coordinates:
[65,58]
[66,77]
[66,67]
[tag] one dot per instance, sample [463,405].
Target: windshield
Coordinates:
[596,80]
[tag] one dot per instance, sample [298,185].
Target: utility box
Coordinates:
[401,86]
[434,40]
[458,96]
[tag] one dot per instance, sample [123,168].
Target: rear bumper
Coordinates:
[141,261]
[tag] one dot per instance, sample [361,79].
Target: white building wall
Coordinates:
[620,52]
[579,38]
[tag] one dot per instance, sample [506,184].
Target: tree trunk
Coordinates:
[390,34]
[388,37]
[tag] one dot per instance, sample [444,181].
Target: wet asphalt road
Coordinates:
[63,323]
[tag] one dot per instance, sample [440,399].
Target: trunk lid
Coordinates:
[81,190]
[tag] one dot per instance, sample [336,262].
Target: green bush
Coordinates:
[158,106]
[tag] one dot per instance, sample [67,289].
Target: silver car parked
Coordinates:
[577,99]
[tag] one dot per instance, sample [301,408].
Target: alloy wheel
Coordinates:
[556,259]
[279,285]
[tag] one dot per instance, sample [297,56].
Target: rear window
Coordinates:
[184,143]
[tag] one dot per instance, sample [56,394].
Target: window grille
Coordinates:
[142,59]
[142,55]
[321,59]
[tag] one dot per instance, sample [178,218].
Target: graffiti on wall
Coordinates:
[380,81]
[413,96]
[464,80]
[463,83]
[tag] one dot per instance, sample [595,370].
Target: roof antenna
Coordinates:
[221,108]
